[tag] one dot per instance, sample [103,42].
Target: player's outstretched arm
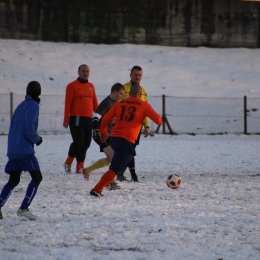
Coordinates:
[153,115]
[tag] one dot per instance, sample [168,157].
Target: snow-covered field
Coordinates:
[174,71]
[213,215]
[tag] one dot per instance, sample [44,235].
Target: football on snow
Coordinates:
[174,181]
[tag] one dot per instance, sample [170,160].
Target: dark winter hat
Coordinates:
[33,89]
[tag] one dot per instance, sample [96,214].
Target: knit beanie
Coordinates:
[33,88]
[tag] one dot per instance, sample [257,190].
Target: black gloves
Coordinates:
[96,134]
[39,141]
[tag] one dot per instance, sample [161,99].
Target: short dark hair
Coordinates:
[136,68]
[81,66]
[117,87]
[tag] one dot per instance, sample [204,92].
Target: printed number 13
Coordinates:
[127,114]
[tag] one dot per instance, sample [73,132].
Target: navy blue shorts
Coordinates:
[28,164]
[124,151]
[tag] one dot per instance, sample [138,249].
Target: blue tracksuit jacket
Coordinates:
[23,130]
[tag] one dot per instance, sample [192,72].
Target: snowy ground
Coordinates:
[174,71]
[213,215]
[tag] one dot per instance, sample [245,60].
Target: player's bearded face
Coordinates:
[136,76]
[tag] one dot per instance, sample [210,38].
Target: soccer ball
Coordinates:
[174,181]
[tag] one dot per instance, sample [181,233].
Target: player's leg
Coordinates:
[75,150]
[13,169]
[14,179]
[31,189]
[110,153]
[106,148]
[87,137]
[67,164]
[131,167]
[121,176]
[30,164]
[102,163]
[73,146]
[107,178]
[119,161]
[123,153]
[96,165]
[72,149]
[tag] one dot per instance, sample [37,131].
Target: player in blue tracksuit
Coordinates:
[20,152]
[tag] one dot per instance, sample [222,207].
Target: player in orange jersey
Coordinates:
[129,115]
[80,103]
[117,91]
[135,78]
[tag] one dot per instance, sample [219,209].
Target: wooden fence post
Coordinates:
[245,115]
[164,119]
[11,105]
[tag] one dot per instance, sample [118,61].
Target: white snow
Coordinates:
[213,215]
[175,71]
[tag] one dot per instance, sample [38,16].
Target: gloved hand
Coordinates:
[96,134]
[39,141]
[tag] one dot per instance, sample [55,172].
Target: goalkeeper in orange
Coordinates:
[129,115]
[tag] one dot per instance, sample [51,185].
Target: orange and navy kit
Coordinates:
[129,116]
[80,100]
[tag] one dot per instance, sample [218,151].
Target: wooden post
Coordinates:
[11,106]
[245,115]
[164,119]
[163,113]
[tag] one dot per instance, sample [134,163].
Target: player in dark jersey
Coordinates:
[117,91]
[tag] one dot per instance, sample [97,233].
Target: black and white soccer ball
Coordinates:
[174,181]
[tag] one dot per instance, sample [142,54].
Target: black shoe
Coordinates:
[1,215]
[134,178]
[121,177]
[95,193]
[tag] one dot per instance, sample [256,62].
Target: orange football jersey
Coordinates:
[129,115]
[81,100]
